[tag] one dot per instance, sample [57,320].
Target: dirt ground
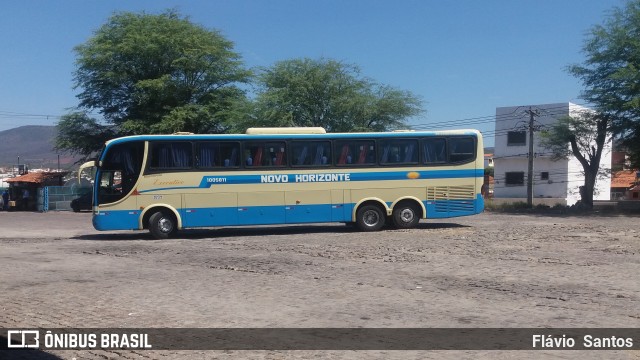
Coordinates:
[488,270]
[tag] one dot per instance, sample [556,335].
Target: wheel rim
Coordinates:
[371,218]
[407,215]
[165,225]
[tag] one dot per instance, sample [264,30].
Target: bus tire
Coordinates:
[162,225]
[406,215]
[370,218]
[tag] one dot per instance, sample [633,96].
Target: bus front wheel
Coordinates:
[162,225]
[370,218]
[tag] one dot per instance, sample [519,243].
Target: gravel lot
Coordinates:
[488,270]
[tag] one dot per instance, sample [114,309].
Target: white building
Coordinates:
[554,181]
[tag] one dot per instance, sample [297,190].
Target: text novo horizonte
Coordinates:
[305,178]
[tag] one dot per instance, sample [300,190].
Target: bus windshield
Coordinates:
[120,169]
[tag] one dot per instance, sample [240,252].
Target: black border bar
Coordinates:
[334,338]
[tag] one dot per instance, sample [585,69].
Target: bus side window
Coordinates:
[231,155]
[434,150]
[400,151]
[267,154]
[206,156]
[366,153]
[300,155]
[279,159]
[360,152]
[257,156]
[461,149]
[215,154]
[321,157]
[310,153]
[345,155]
[166,156]
[248,160]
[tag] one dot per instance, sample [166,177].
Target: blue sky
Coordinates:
[463,58]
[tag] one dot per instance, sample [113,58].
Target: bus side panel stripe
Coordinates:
[219,180]
[278,214]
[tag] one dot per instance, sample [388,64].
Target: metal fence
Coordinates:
[58,198]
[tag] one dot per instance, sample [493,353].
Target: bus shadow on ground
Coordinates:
[226,232]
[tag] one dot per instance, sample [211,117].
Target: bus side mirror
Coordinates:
[88,164]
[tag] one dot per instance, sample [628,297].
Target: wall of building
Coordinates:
[565,176]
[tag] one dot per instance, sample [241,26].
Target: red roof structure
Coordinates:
[623,179]
[38,178]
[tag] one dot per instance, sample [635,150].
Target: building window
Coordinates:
[516,138]
[544,175]
[514,178]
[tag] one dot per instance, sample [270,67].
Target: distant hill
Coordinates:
[34,145]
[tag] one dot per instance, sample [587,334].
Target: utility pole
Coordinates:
[532,114]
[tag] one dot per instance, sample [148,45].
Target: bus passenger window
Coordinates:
[461,149]
[206,155]
[213,154]
[267,154]
[310,153]
[248,160]
[434,151]
[356,152]
[300,152]
[166,156]
[229,152]
[401,151]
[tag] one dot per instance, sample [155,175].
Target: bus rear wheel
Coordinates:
[162,225]
[406,215]
[370,218]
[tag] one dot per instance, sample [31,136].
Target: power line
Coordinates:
[493,118]
[562,110]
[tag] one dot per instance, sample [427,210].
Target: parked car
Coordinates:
[82,203]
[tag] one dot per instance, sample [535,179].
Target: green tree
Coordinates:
[583,136]
[611,72]
[329,94]
[78,133]
[153,74]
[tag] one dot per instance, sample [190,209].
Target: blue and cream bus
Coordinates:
[164,183]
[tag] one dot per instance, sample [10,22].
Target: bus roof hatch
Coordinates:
[286,130]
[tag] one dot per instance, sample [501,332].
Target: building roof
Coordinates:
[36,177]
[623,178]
